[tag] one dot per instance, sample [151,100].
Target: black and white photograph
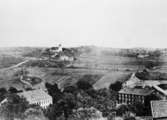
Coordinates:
[83,59]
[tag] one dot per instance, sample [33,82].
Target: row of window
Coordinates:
[43,102]
[128,98]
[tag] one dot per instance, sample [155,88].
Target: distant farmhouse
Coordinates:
[65,57]
[38,97]
[59,54]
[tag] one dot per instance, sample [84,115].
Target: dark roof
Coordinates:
[136,91]
[66,53]
[32,80]
[54,48]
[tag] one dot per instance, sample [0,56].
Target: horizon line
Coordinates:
[107,47]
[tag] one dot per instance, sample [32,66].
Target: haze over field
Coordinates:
[109,23]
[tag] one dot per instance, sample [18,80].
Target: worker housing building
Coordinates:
[38,97]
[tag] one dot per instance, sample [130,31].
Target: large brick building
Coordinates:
[132,95]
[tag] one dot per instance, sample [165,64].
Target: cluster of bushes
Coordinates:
[16,107]
[86,114]
[82,95]
[13,106]
[4,92]
[67,104]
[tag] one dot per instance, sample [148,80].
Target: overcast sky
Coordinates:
[107,23]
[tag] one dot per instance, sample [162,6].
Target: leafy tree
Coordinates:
[13,107]
[91,92]
[106,101]
[116,86]
[103,100]
[13,90]
[90,78]
[147,105]
[84,100]
[123,109]
[54,91]
[144,75]
[86,114]
[136,109]
[70,89]
[3,93]
[81,96]
[34,114]
[67,104]
[63,106]
[84,85]
[139,109]
[53,111]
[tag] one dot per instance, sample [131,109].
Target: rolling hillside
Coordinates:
[108,64]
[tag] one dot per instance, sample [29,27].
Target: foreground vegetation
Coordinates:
[75,102]
[68,101]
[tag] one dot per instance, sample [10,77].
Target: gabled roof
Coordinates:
[133,81]
[54,48]
[134,78]
[35,95]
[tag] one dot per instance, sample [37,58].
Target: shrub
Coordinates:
[116,86]
[84,85]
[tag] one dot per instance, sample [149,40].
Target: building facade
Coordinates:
[133,95]
[38,97]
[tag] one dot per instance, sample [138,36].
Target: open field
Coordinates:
[11,56]
[111,78]
[52,75]
[163,67]
[108,62]
[108,67]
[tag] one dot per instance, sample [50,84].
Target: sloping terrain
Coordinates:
[109,65]
[111,78]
